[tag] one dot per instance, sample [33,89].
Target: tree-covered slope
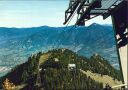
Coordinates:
[50,70]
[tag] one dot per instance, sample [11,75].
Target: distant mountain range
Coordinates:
[17,44]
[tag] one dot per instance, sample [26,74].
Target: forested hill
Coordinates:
[60,69]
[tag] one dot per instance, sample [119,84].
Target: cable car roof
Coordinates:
[106,5]
[88,9]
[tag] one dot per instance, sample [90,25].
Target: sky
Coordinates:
[35,13]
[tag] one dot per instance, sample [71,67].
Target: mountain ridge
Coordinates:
[16,45]
[57,26]
[53,69]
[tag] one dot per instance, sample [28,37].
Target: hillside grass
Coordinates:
[105,79]
[44,57]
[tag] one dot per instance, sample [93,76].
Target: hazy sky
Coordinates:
[34,13]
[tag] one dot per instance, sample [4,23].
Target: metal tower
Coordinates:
[118,10]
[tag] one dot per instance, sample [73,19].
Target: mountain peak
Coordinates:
[95,24]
